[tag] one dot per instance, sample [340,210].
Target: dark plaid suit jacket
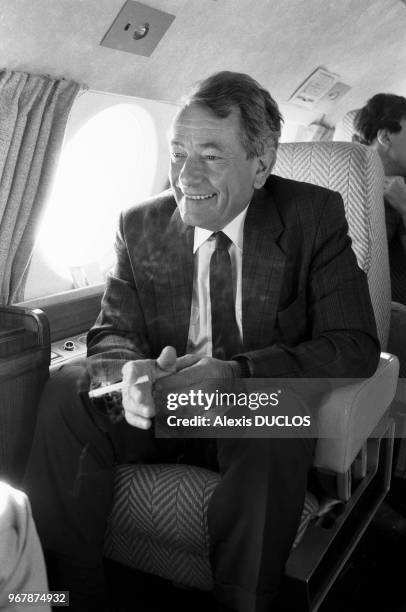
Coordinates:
[306,310]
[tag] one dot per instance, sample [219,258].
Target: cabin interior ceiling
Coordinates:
[279,42]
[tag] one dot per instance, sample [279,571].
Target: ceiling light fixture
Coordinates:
[140,31]
[137,28]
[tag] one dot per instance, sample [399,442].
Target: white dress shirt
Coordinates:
[199,337]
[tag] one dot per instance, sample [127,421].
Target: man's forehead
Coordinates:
[200,122]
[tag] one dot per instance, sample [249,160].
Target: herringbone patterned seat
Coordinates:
[159,521]
[345,130]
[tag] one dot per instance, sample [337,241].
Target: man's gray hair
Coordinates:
[260,118]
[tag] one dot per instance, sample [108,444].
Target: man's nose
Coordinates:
[191,172]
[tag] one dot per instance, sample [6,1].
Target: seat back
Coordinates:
[356,172]
[345,130]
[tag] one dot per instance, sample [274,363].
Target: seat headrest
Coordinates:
[344,130]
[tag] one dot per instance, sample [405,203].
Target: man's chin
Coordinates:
[195,216]
[193,220]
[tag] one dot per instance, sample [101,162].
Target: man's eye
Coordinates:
[211,157]
[177,155]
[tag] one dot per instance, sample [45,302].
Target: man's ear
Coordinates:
[265,163]
[383,138]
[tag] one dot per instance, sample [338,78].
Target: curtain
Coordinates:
[33,115]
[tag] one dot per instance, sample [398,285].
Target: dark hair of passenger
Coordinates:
[382,111]
[259,113]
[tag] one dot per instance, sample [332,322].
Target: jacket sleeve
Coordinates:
[119,333]
[343,342]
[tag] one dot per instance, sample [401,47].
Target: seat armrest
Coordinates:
[348,415]
[24,369]
[396,341]
[22,329]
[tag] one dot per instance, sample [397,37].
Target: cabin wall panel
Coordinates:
[69,313]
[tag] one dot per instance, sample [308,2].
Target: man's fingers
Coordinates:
[167,360]
[133,370]
[186,360]
[182,379]
[138,403]
[137,421]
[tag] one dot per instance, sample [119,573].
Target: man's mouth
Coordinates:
[205,196]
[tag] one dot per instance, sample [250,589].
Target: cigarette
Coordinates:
[118,386]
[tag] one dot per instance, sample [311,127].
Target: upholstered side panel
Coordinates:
[24,369]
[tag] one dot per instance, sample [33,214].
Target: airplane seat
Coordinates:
[344,130]
[355,171]
[152,526]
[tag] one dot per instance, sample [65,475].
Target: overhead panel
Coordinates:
[137,29]
[321,89]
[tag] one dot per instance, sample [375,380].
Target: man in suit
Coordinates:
[279,253]
[381,124]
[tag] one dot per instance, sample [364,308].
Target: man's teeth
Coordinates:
[199,197]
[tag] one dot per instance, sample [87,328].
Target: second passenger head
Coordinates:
[381,124]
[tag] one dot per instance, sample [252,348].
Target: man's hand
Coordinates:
[138,403]
[395,194]
[203,370]
[207,375]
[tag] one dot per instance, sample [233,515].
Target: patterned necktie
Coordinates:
[225,334]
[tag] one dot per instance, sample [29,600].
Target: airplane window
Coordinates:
[107,163]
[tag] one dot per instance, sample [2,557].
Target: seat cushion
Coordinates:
[158,523]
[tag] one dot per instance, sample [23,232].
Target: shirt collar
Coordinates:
[234,230]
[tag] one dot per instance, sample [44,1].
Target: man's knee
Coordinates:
[67,435]
[61,400]
[66,383]
[66,415]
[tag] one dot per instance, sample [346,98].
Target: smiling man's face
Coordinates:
[211,177]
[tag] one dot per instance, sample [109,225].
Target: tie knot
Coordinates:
[222,241]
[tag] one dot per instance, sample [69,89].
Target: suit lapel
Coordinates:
[262,270]
[179,269]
